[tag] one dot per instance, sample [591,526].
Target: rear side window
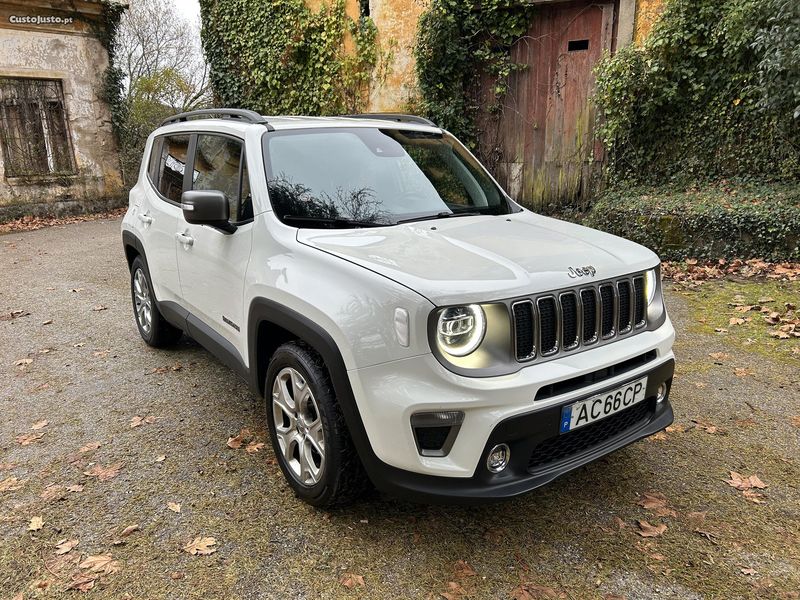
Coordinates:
[168,174]
[219,165]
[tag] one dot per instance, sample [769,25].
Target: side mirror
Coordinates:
[206,207]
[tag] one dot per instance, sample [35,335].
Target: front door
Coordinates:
[158,215]
[549,148]
[212,262]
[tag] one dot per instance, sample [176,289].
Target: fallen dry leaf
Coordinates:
[720,356]
[138,421]
[754,497]
[201,546]
[254,447]
[39,425]
[35,524]
[455,591]
[104,473]
[463,569]
[745,483]
[174,507]
[351,580]
[83,582]
[161,458]
[176,575]
[10,484]
[48,322]
[23,362]
[53,492]
[656,503]
[236,442]
[129,530]
[99,307]
[75,488]
[707,426]
[65,546]
[648,531]
[26,439]
[743,372]
[101,563]
[796,421]
[90,447]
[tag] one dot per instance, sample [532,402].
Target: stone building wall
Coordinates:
[72,55]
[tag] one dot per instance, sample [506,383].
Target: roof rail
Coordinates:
[396,117]
[209,113]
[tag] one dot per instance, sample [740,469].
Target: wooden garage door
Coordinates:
[549,153]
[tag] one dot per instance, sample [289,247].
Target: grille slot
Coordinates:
[607,310]
[569,320]
[639,302]
[524,339]
[624,291]
[548,325]
[589,301]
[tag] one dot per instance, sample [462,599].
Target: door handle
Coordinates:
[144,218]
[185,239]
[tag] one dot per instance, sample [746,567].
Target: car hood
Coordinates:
[483,258]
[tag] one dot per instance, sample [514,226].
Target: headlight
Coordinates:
[650,285]
[460,329]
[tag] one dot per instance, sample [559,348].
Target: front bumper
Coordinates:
[508,407]
[539,453]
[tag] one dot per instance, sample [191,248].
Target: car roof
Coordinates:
[282,123]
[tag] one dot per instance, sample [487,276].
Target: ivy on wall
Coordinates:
[111,91]
[687,105]
[459,43]
[281,57]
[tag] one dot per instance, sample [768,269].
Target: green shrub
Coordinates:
[688,106]
[280,57]
[719,221]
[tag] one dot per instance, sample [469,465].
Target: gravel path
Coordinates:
[76,361]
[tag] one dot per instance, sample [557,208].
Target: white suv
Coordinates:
[407,323]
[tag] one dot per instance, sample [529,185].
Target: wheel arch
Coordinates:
[271,324]
[133,247]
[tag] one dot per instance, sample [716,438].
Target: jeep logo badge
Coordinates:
[588,270]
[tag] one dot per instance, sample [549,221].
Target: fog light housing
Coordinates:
[435,432]
[498,458]
[661,393]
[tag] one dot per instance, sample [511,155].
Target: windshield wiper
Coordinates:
[440,215]
[334,222]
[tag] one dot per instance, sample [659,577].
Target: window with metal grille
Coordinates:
[34,133]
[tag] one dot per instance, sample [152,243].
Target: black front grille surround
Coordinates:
[554,323]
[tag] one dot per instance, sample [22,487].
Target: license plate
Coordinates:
[599,407]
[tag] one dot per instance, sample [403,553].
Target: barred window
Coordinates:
[34,133]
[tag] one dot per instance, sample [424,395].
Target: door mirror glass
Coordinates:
[205,207]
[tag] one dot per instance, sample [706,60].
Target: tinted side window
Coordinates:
[172,166]
[218,166]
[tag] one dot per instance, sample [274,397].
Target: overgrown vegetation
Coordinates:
[111,92]
[457,43]
[706,95]
[724,220]
[281,57]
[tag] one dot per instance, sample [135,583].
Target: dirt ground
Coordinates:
[76,361]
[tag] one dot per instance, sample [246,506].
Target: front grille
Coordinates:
[552,323]
[567,445]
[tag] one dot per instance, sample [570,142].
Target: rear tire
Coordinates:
[154,329]
[311,441]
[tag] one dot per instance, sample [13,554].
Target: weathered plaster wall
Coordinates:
[79,61]
[397,29]
[647,12]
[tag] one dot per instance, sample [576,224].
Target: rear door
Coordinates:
[212,262]
[157,221]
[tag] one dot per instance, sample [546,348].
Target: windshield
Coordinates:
[367,177]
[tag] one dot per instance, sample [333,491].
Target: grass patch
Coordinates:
[713,306]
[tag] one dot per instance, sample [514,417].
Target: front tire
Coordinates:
[309,435]
[153,328]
